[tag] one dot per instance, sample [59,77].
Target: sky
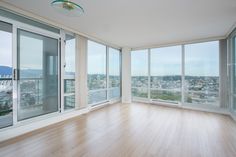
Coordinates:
[201,59]
[5,49]
[97,59]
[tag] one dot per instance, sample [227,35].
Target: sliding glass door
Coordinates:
[37,63]
[6,103]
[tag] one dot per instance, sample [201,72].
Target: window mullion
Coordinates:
[149,73]
[183,75]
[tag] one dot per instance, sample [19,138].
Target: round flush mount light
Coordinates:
[67,7]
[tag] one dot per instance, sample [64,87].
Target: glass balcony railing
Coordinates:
[96,96]
[31,93]
[69,93]
[100,95]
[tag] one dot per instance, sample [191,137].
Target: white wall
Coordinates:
[81,57]
[126,75]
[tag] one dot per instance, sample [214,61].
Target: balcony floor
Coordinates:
[131,130]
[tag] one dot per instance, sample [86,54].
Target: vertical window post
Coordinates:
[183,75]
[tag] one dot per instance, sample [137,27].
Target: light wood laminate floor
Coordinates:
[136,130]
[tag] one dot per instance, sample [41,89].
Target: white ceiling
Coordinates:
[137,23]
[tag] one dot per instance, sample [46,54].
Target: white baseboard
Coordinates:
[104,104]
[15,131]
[190,107]
[211,110]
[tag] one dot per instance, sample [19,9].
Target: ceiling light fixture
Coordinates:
[67,7]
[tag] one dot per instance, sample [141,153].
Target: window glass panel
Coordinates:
[114,68]
[69,102]
[140,92]
[165,69]
[69,76]
[234,73]
[96,71]
[114,93]
[6,103]
[114,73]
[202,73]
[139,73]
[38,76]
[70,55]
[97,96]
[69,85]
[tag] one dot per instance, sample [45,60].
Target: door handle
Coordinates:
[15,74]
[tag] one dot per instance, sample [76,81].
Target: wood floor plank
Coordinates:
[135,130]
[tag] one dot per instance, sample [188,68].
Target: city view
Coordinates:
[5,90]
[198,89]
[98,82]
[31,90]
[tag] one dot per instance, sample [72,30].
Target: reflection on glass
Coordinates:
[114,73]
[6,118]
[139,73]
[202,73]
[96,71]
[166,73]
[69,77]
[38,74]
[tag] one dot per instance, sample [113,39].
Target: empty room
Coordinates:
[117,78]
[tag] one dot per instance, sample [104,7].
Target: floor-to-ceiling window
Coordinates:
[97,72]
[232,70]
[202,73]
[165,73]
[187,74]
[104,79]
[6,103]
[69,72]
[37,70]
[114,73]
[139,73]
[234,73]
